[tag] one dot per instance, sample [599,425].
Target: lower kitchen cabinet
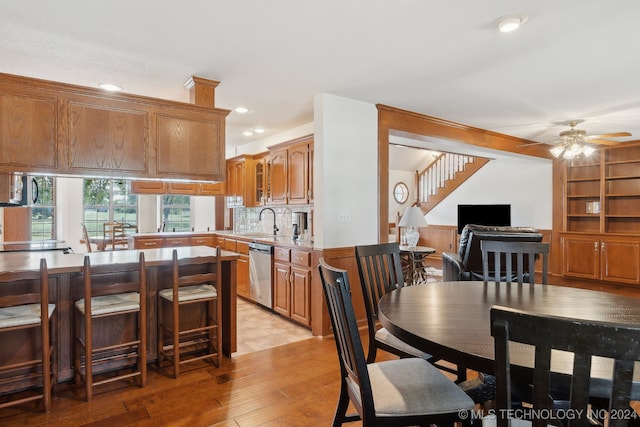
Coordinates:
[292,284]
[242,274]
[594,256]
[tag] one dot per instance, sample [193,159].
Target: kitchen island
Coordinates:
[65,279]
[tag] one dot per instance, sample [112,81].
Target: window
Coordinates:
[43,210]
[176,213]
[108,200]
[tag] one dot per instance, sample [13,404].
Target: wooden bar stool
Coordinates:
[104,299]
[23,308]
[182,338]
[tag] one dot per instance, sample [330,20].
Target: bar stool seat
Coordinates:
[23,315]
[25,307]
[181,338]
[111,303]
[104,299]
[190,293]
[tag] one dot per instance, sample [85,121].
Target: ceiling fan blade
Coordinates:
[609,135]
[602,141]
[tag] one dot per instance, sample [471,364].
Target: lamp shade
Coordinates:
[413,217]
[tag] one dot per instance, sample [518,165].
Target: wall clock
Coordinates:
[401,192]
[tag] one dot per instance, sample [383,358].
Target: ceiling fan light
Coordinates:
[557,150]
[588,150]
[574,150]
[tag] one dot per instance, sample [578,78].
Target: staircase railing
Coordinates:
[443,175]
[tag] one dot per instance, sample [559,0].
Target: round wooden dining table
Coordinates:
[451,321]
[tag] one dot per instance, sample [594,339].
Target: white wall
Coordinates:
[396,176]
[524,184]
[345,172]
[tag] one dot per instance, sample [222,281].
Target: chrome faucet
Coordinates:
[275,228]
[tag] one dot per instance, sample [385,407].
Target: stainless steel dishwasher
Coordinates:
[260,273]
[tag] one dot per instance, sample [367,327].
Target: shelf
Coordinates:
[620,162]
[622,195]
[583,196]
[610,186]
[622,177]
[583,179]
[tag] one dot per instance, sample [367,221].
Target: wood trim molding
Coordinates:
[399,122]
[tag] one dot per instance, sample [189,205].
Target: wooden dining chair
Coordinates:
[85,237]
[117,294]
[183,337]
[619,343]
[407,391]
[380,273]
[21,316]
[114,235]
[495,252]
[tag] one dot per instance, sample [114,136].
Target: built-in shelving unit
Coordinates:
[601,237]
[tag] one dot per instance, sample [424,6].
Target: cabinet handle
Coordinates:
[603,246]
[595,246]
[150,243]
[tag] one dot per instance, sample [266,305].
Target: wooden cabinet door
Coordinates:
[281,295]
[261,181]
[185,188]
[242,278]
[190,144]
[148,242]
[202,241]
[148,187]
[173,242]
[107,137]
[310,190]
[211,188]
[278,177]
[17,224]
[620,260]
[28,120]
[581,257]
[301,295]
[298,176]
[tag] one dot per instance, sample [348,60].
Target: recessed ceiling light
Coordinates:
[508,24]
[258,130]
[110,87]
[247,133]
[241,110]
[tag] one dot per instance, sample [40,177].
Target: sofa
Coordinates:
[467,263]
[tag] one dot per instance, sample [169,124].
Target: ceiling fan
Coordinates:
[574,142]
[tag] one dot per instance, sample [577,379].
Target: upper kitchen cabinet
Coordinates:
[261,175]
[58,128]
[290,171]
[240,181]
[27,118]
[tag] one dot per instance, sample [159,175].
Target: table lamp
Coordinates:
[413,218]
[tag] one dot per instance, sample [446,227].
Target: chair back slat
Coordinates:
[494,252]
[585,339]
[335,284]
[380,272]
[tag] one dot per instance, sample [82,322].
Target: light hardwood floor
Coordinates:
[294,384]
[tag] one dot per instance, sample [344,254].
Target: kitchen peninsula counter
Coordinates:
[65,277]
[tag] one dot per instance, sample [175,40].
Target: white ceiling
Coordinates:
[573,59]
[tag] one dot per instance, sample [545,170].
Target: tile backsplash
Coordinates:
[245,220]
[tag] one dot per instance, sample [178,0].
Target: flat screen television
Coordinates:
[499,215]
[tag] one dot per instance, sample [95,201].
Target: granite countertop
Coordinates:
[241,235]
